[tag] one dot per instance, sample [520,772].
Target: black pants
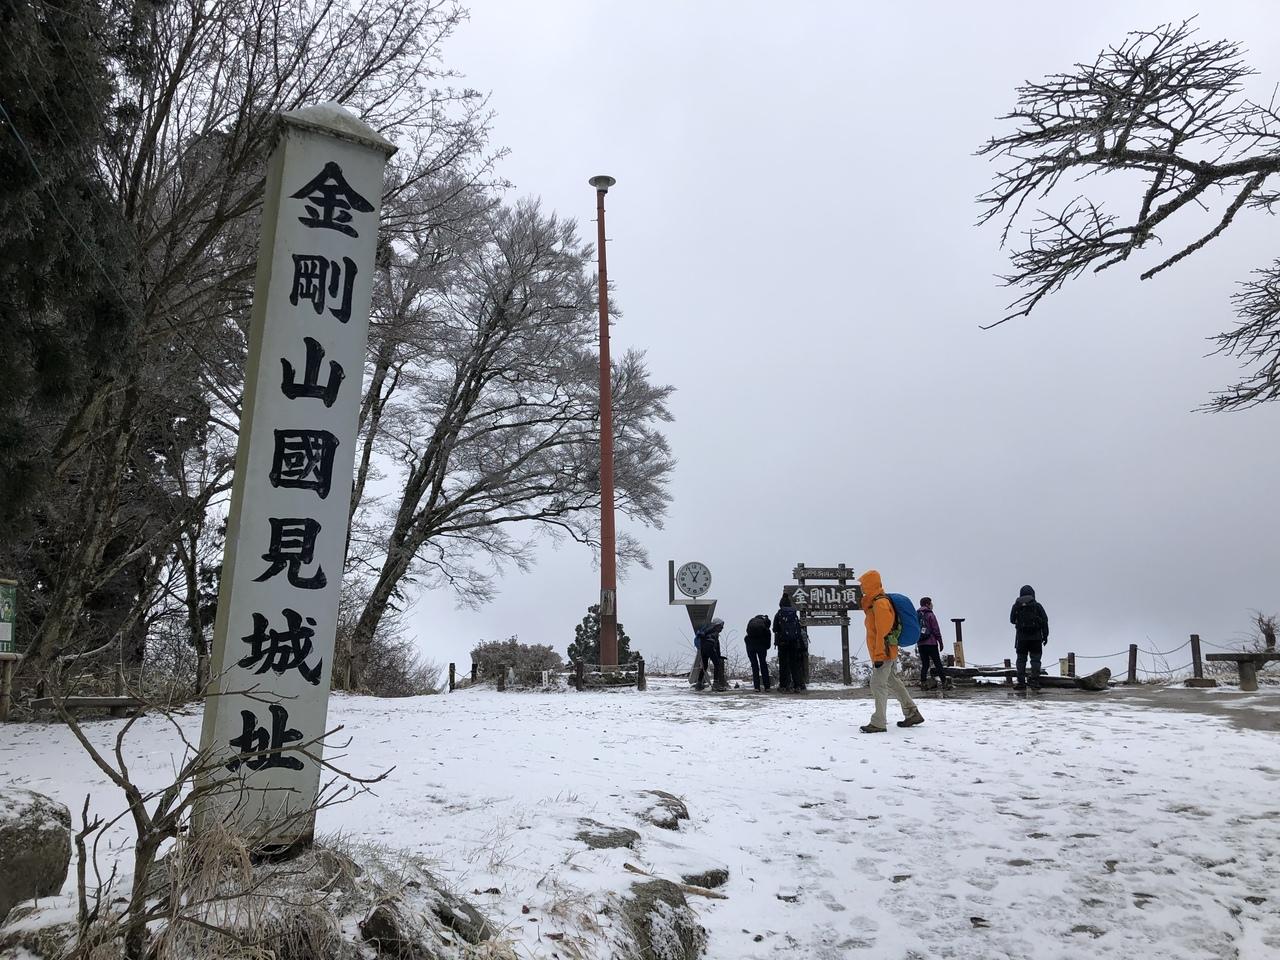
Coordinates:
[759,657]
[930,656]
[1035,650]
[790,666]
[710,653]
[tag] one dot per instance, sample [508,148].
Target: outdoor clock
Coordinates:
[693,579]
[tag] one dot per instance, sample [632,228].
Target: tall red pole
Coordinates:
[608,547]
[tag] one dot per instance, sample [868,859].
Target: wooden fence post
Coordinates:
[641,682]
[453,670]
[1071,664]
[475,670]
[1008,665]
[579,674]
[502,677]
[1133,663]
[958,646]
[1198,678]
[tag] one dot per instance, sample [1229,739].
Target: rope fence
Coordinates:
[1150,664]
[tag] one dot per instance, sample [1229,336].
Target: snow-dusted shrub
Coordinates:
[527,659]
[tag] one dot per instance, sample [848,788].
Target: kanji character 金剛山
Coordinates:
[310,386]
[330,200]
[315,277]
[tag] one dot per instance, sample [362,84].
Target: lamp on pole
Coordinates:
[608,548]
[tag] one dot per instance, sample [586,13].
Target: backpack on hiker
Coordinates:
[758,628]
[1029,619]
[906,622]
[789,630]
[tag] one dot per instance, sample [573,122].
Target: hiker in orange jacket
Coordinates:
[882,648]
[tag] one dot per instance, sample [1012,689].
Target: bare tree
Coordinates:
[487,420]
[1172,109]
[190,120]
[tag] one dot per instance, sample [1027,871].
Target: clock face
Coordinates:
[693,579]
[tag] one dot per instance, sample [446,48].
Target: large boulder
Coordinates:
[35,846]
[661,924]
[36,932]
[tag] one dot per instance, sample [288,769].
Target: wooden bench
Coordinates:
[1247,664]
[119,706]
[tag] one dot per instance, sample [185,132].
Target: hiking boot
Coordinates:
[871,729]
[914,718]
[1019,687]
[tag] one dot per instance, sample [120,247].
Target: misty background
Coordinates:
[792,241]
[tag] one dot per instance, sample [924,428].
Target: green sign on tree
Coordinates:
[8,615]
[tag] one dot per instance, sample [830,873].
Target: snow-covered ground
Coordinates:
[1004,827]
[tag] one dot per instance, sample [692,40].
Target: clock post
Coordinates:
[608,549]
[693,579]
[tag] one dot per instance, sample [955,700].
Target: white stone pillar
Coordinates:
[267,702]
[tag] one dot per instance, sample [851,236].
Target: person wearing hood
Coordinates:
[757,640]
[788,634]
[883,630]
[708,639]
[1031,633]
[930,647]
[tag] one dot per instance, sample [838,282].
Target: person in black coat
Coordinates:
[708,637]
[1031,625]
[788,634]
[757,640]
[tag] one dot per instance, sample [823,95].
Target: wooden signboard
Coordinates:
[814,621]
[801,572]
[823,596]
[822,605]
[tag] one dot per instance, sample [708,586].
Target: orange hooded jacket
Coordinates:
[878,610]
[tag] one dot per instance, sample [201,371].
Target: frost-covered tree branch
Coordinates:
[1170,108]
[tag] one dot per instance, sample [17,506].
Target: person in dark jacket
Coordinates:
[930,646]
[788,635]
[1031,626]
[757,640]
[708,637]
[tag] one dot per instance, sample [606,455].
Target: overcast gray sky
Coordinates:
[793,231]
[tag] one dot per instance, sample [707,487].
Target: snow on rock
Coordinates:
[1060,827]
[661,809]
[35,846]
[661,923]
[599,837]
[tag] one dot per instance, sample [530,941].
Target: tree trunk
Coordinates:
[188,554]
[399,557]
[97,501]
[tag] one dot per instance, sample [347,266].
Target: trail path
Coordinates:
[1067,827]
